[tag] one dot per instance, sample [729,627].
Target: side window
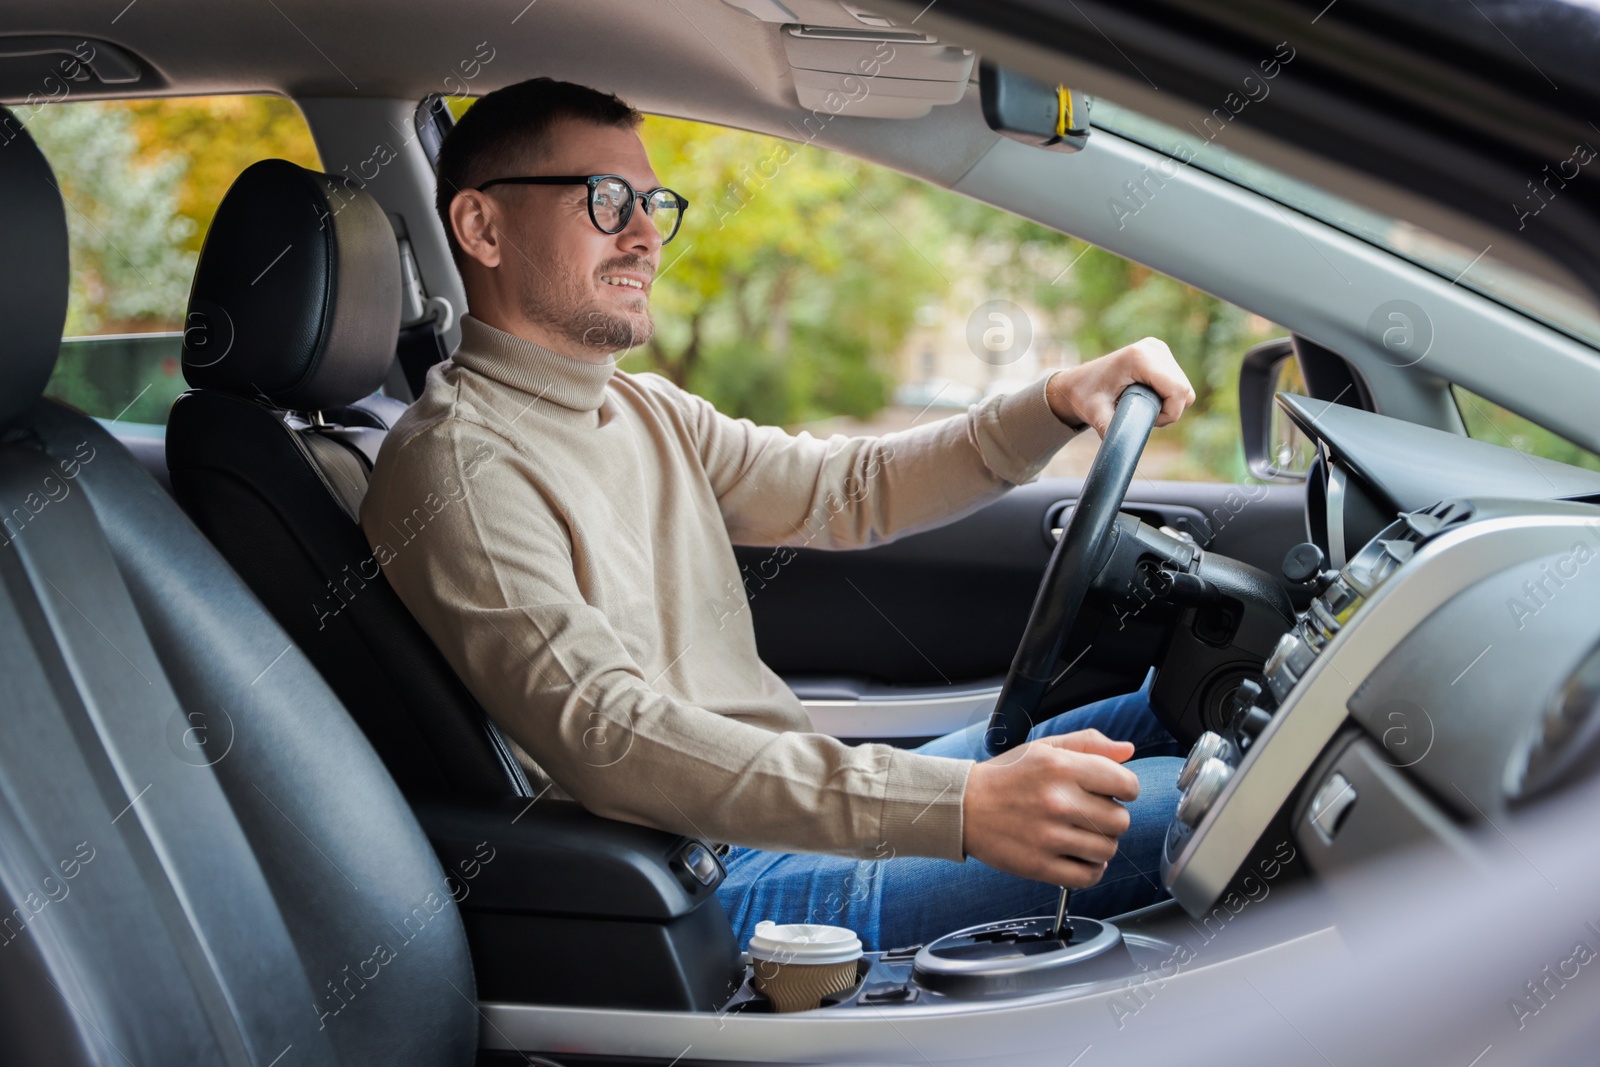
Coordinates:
[142,180]
[819,292]
[1488,421]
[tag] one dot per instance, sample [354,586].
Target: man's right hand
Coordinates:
[1048,810]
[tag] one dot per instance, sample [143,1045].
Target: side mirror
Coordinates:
[1033,112]
[1275,449]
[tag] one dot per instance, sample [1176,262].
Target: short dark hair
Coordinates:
[510,125]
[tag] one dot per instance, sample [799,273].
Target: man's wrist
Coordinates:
[1058,394]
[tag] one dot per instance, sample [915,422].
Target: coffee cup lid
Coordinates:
[804,943]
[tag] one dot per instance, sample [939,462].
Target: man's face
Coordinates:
[589,288]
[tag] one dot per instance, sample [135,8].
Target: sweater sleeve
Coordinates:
[492,579]
[776,488]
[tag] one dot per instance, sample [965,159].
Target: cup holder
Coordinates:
[748,1001]
[1021,956]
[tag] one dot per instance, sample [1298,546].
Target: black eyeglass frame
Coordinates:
[593,180]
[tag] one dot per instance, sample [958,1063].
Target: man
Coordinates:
[564,530]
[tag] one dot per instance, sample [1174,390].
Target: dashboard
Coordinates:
[1445,673]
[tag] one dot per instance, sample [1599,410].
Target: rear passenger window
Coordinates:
[141,180]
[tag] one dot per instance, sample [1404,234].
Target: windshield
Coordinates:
[1475,268]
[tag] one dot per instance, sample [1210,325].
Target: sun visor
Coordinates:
[848,61]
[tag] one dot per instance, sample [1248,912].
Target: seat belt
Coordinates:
[419,348]
[424,320]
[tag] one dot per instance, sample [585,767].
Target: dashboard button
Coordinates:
[1330,805]
[1281,681]
[1203,791]
[1250,725]
[1290,652]
[1287,663]
[1247,695]
[699,862]
[1339,596]
[1211,745]
[1324,619]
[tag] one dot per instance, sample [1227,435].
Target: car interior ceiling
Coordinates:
[697,80]
[218,697]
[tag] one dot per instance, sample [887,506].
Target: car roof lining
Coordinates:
[729,69]
[721,66]
[740,77]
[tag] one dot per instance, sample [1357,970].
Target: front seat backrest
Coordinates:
[291,327]
[201,858]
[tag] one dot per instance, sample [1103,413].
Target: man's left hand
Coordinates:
[1086,395]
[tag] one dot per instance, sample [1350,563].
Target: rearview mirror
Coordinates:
[1033,112]
[1275,449]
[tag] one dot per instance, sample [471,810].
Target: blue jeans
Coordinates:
[910,900]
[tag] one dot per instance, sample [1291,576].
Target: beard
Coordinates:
[563,304]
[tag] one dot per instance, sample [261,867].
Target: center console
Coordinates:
[1303,752]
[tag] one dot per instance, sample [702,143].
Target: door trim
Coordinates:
[895,711]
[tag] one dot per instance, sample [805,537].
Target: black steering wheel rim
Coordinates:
[1078,557]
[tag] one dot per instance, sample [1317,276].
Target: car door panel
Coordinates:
[912,639]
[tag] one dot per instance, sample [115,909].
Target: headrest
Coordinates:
[33,269]
[297,293]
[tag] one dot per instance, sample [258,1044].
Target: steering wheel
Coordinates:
[1078,557]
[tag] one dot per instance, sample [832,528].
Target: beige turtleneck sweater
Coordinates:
[564,530]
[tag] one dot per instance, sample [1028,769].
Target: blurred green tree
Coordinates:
[799,271]
[796,277]
[218,137]
[1488,421]
[142,180]
[1101,302]
[131,266]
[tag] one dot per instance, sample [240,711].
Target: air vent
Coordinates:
[1434,519]
[1399,541]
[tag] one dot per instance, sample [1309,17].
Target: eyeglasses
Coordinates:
[611,201]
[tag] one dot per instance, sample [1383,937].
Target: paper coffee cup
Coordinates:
[798,964]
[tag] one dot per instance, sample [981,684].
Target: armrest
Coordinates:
[555,858]
[547,889]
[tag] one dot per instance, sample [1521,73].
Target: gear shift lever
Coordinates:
[1061,912]
[1013,957]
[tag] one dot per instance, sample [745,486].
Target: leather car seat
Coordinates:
[202,860]
[291,327]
